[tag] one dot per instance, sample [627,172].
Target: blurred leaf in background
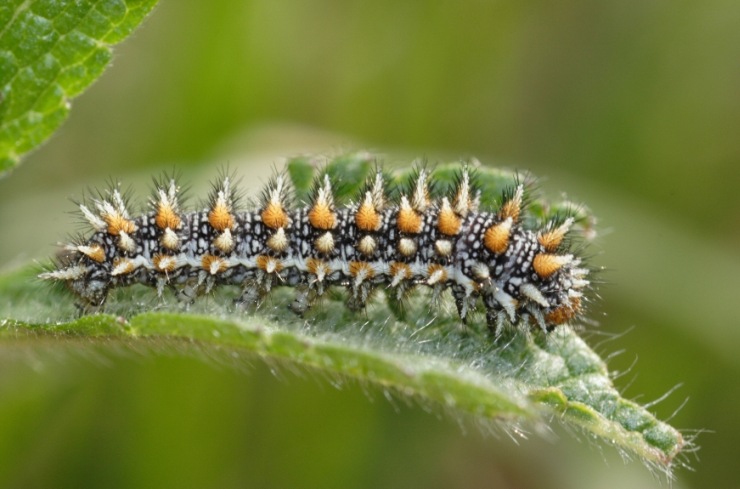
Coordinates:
[631,107]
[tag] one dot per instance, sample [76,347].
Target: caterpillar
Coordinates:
[491,258]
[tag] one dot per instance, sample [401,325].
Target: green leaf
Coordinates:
[521,380]
[50,51]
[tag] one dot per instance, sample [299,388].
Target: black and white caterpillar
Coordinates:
[521,275]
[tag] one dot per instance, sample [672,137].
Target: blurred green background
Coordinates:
[632,107]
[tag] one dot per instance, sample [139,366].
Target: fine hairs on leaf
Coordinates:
[521,381]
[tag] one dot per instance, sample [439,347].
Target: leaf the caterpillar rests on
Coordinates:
[523,375]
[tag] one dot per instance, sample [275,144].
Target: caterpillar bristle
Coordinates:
[553,236]
[420,190]
[465,192]
[376,189]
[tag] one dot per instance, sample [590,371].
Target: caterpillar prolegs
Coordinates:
[458,228]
